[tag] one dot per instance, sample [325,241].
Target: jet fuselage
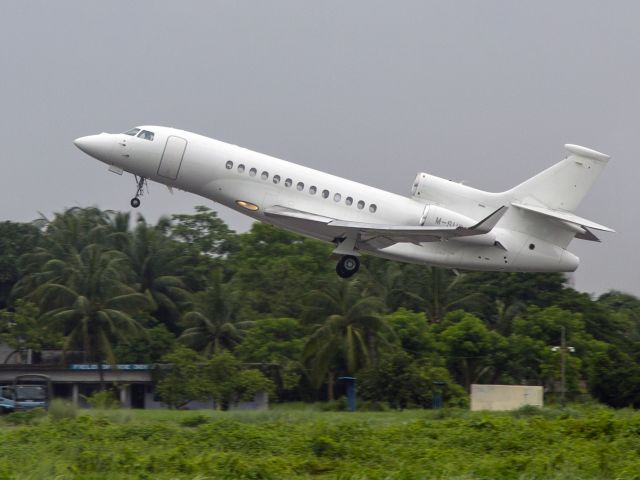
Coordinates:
[252,183]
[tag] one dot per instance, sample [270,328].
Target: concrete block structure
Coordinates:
[505,397]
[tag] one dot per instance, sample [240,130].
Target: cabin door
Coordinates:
[172,157]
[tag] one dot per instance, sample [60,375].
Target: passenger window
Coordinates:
[313,189]
[288,182]
[146,135]
[264,176]
[300,186]
[348,200]
[276,179]
[252,172]
[229,165]
[133,132]
[325,193]
[240,168]
[360,204]
[337,197]
[373,208]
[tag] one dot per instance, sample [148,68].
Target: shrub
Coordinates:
[195,420]
[103,400]
[28,417]
[60,409]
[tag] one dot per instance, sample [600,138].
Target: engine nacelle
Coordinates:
[436,216]
[432,189]
[460,199]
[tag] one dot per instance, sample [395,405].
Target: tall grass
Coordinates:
[577,442]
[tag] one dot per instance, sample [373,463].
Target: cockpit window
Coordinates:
[146,135]
[132,132]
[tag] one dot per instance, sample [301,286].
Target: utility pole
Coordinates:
[563,364]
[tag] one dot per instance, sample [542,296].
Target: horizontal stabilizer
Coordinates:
[564,216]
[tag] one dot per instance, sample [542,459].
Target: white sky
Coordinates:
[481,91]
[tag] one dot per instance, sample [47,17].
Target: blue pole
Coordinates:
[351,392]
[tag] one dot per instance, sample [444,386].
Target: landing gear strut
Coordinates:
[347,266]
[140,182]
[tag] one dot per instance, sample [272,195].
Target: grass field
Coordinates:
[575,443]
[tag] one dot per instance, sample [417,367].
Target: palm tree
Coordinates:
[443,291]
[160,265]
[213,322]
[66,235]
[348,333]
[88,296]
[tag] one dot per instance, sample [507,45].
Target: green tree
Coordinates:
[441,291]
[16,239]
[274,269]
[473,352]
[182,378]
[213,326]
[23,330]
[88,296]
[64,237]
[348,329]
[204,231]
[277,343]
[613,378]
[161,266]
[230,383]
[412,330]
[403,381]
[146,346]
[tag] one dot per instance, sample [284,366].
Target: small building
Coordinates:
[505,397]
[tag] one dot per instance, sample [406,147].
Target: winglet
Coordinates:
[487,224]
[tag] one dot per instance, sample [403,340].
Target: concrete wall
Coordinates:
[505,397]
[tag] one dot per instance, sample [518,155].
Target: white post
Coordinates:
[75,393]
[124,396]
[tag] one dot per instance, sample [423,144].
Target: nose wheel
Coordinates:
[140,183]
[347,266]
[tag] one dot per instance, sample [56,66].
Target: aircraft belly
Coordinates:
[517,258]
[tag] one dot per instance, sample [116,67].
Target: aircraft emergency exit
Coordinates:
[525,229]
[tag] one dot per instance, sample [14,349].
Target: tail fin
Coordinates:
[563,185]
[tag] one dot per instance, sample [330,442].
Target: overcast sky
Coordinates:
[481,91]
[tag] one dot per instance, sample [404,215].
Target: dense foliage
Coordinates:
[587,444]
[116,289]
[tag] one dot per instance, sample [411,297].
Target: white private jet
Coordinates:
[442,223]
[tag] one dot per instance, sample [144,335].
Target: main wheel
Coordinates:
[135,202]
[347,266]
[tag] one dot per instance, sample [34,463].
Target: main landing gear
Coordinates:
[140,182]
[347,266]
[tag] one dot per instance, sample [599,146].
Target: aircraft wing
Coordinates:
[391,233]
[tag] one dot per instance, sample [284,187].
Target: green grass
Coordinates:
[575,443]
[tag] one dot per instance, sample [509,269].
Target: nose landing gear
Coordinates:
[140,182]
[347,266]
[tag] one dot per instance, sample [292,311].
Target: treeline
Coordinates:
[268,305]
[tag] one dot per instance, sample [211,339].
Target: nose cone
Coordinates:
[98,146]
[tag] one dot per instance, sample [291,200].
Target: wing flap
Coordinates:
[391,233]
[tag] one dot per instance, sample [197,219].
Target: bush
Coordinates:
[28,417]
[195,420]
[103,400]
[60,409]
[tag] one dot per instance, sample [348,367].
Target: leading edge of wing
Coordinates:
[399,233]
